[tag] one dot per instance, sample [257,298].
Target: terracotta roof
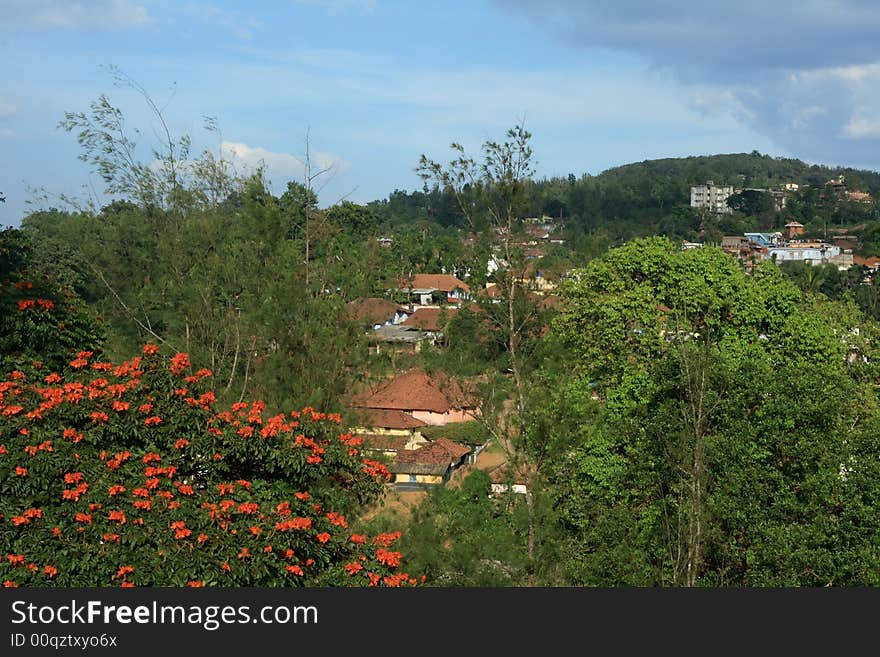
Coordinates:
[873,261]
[372,310]
[428,319]
[385,443]
[442,282]
[388,419]
[416,391]
[456,450]
[437,455]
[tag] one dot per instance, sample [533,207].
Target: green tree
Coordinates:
[732,424]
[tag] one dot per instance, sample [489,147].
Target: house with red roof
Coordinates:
[375,313]
[428,289]
[434,400]
[431,464]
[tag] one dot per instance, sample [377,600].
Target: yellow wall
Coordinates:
[402,478]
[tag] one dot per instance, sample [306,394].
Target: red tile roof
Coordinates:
[442,282]
[372,310]
[388,419]
[440,452]
[428,319]
[416,391]
[385,443]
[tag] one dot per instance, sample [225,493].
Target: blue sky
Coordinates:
[376,83]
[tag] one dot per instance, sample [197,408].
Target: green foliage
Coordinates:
[734,438]
[41,323]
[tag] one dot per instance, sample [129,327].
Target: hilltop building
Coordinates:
[712,196]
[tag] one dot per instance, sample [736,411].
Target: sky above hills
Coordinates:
[373,84]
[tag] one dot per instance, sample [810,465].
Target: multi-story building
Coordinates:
[712,196]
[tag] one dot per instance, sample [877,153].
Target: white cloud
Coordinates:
[861,127]
[285,165]
[74,14]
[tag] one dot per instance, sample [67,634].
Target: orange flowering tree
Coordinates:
[127,475]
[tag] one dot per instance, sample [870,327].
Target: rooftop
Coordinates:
[417,391]
[373,310]
[441,282]
[430,319]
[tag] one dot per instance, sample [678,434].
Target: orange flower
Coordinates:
[99,418]
[385,540]
[115,490]
[150,349]
[294,523]
[195,584]
[145,408]
[111,538]
[295,570]
[226,567]
[388,558]
[180,443]
[50,571]
[20,471]
[153,421]
[120,406]
[301,496]
[84,518]
[353,568]
[20,520]
[117,516]
[56,531]
[123,571]
[358,538]
[9,584]
[52,378]
[179,362]
[202,538]
[323,537]
[245,553]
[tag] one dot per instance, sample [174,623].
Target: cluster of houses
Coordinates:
[752,248]
[393,417]
[430,302]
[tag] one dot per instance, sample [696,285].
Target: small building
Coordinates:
[435,400]
[814,253]
[793,229]
[431,464]
[432,320]
[372,312]
[428,289]
[397,339]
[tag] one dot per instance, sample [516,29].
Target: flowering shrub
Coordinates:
[127,475]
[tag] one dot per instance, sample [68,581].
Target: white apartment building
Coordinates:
[712,196]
